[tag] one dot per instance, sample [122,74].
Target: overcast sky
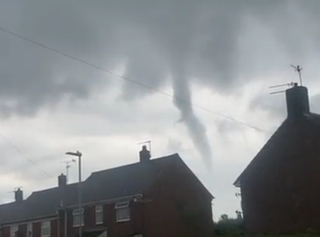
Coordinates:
[200,58]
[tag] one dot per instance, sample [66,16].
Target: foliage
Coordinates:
[226,227]
[229,227]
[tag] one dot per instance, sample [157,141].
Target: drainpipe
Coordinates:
[65,222]
[58,223]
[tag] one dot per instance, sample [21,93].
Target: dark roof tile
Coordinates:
[102,185]
[280,134]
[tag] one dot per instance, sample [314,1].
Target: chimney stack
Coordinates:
[18,195]
[62,181]
[144,155]
[297,101]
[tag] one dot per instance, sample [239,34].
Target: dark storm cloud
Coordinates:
[218,43]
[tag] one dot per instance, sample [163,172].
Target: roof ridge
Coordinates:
[136,163]
[262,149]
[126,180]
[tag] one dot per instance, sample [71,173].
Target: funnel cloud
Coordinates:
[219,44]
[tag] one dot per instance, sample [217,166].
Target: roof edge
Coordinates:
[195,176]
[138,195]
[20,222]
[237,182]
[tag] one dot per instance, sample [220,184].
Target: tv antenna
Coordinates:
[146,142]
[15,189]
[68,166]
[291,84]
[298,69]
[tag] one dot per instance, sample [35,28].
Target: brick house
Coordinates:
[154,197]
[279,188]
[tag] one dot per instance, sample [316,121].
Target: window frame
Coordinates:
[43,223]
[13,230]
[80,216]
[120,206]
[29,229]
[99,212]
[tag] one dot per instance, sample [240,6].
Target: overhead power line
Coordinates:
[24,155]
[128,79]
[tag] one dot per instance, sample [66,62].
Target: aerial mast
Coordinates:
[298,69]
[68,167]
[146,142]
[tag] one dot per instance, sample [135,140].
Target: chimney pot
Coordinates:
[144,154]
[62,181]
[297,101]
[18,195]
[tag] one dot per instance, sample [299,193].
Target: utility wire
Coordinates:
[119,76]
[24,155]
[129,80]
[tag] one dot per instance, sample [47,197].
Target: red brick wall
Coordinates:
[5,231]
[179,206]
[36,229]
[23,230]
[109,221]
[54,228]
[281,193]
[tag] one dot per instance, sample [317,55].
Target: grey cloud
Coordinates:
[226,128]
[273,105]
[315,104]
[217,43]
[151,36]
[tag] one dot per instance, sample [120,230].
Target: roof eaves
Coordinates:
[237,183]
[23,221]
[112,200]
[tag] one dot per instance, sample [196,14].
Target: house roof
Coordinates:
[107,184]
[311,118]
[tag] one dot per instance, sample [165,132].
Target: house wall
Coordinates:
[36,228]
[281,194]
[5,231]
[110,224]
[178,206]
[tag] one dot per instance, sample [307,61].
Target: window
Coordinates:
[99,214]
[29,230]
[45,229]
[78,217]
[13,230]
[122,211]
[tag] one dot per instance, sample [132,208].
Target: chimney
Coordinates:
[62,181]
[297,101]
[144,155]
[18,195]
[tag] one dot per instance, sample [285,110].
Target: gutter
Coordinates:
[106,201]
[55,217]
[22,222]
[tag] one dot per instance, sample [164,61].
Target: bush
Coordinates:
[229,227]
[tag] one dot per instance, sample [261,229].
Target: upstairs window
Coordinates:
[45,229]
[29,230]
[13,230]
[122,212]
[99,215]
[77,217]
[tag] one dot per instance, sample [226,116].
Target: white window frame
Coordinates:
[78,213]
[13,230]
[121,207]
[99,214]
[29,229]
[46,229]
